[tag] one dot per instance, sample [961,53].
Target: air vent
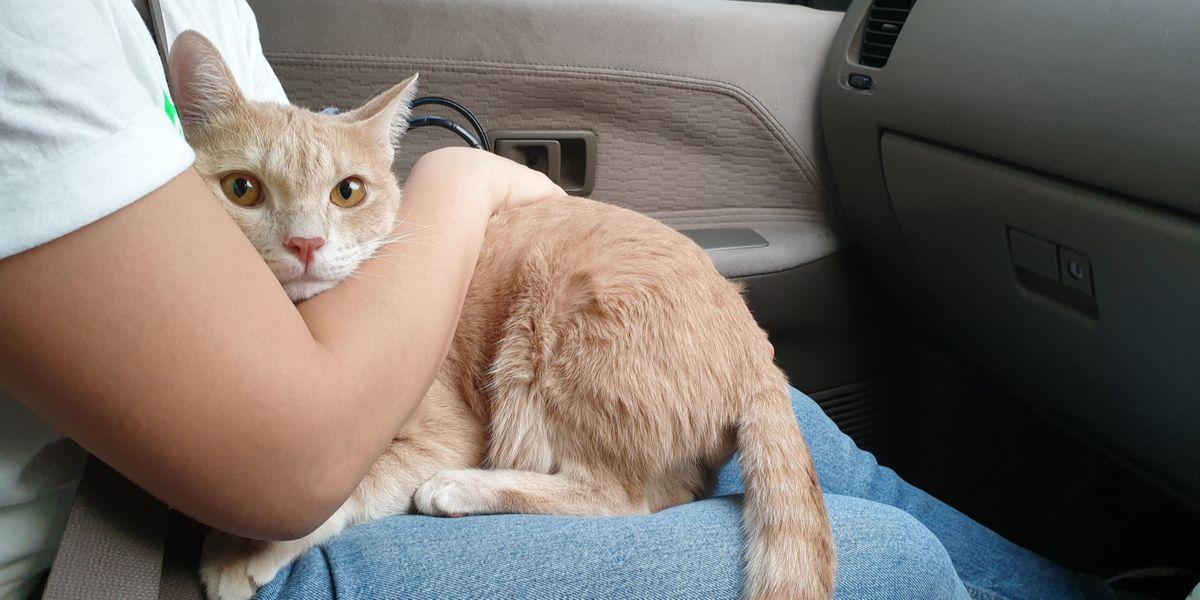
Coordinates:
[883,27]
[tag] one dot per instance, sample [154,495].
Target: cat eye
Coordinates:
[242,189]
[349,192]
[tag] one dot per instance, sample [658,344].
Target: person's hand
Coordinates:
[509,184]
[521,184]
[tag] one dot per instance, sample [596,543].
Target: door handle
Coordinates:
[568,158]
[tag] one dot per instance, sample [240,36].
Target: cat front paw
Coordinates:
[455,494]
[229,582]
[233,568]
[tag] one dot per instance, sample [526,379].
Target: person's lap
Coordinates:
[893,541]
[689,551]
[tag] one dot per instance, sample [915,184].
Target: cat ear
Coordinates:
[201,82]
[387,114]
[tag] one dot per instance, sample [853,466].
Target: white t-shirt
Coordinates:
[87,126]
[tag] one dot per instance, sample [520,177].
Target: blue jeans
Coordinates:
[893,541]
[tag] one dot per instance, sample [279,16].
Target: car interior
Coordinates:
[971,228]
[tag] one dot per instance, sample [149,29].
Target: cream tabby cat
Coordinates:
[601,365]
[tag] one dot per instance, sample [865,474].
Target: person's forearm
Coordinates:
[426,272]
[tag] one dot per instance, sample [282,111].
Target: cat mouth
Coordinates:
[308,277]
[301,283]
[306,286]
[288,272]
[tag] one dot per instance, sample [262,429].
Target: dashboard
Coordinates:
[1023,178]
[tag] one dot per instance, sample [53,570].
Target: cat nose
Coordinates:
[304,248]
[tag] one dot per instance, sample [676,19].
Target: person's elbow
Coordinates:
[281,474]
[290,504]
[296,463]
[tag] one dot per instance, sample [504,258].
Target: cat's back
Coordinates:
[574,258]
[573,234]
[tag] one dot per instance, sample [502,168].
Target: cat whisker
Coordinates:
[403,220]
[405,238]
[410,237]
[397,255]
[419,229]
[401,266]
[406,243]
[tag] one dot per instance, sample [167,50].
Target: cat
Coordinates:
[601,364]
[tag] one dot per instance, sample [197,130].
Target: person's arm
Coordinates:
[158,339]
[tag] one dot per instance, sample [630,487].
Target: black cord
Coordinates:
[460,109]
[444,123]
[482,142]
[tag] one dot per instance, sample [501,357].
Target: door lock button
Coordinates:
[859,81]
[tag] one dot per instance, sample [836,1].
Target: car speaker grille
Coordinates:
[863,410]
[884,23]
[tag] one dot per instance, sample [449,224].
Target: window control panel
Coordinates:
[1050,262]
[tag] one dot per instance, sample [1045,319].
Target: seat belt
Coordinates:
[113,544]
[152,16]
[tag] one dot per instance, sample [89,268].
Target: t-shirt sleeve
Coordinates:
[231,27]
[86,120]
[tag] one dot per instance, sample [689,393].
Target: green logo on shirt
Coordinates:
[172,114]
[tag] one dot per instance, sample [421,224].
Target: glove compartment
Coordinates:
[1120,357]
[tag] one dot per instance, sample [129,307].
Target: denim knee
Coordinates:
[883,552]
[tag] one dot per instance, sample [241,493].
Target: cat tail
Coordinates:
[789,545]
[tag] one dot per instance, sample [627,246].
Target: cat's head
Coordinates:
[314,193]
